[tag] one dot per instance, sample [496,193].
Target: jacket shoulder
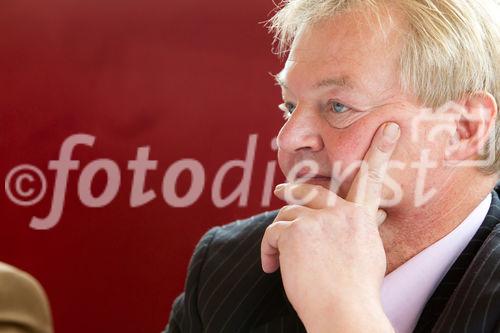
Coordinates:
[233,292]
[226,289]
[250,228]
[234,248]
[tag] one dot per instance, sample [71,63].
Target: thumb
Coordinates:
[381,216]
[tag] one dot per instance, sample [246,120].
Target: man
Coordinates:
[23,304]
[391,222]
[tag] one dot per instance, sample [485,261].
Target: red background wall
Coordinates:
[189,78]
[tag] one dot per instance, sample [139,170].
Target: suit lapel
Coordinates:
[462,273]
[475,304]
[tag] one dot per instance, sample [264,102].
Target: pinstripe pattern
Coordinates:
[476,263]
[227,292]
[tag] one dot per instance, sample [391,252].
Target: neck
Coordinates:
[408,231]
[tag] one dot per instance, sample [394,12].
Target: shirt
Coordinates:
[406,290]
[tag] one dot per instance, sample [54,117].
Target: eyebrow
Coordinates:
[341,82]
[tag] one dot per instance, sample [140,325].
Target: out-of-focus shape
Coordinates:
[24,307]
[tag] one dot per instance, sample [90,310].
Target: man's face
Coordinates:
[341,80]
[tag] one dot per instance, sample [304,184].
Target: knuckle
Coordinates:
[299,226]
[287,211]
[289,208]
[272,228]
[320,190]
[268,230]
[375,175]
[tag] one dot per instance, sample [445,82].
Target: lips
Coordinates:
[316,178]
[305,173]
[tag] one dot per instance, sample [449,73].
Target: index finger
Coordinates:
[366,189]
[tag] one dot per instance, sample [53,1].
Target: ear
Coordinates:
[474,127]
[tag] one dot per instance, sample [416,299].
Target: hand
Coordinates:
[331,257]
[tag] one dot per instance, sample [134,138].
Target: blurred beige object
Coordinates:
[24,307]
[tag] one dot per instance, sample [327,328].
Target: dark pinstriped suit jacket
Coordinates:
[227,292]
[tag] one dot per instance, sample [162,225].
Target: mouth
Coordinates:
[318,180]
[313,177]
[306,176]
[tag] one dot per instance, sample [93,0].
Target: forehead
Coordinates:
[353,46]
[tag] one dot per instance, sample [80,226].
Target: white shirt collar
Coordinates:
[406,290]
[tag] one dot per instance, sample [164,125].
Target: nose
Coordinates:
[301,133]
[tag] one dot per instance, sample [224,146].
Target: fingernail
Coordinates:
[391,131]
[279,187]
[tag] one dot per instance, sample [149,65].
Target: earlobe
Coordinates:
[473,129]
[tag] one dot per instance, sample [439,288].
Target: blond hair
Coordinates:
[451,49]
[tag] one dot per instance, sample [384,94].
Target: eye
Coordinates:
[339,107]
[287,108]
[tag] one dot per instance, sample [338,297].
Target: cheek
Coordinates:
[350,145]
[346,147]
[285,161]
[417,139]
[282,160]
